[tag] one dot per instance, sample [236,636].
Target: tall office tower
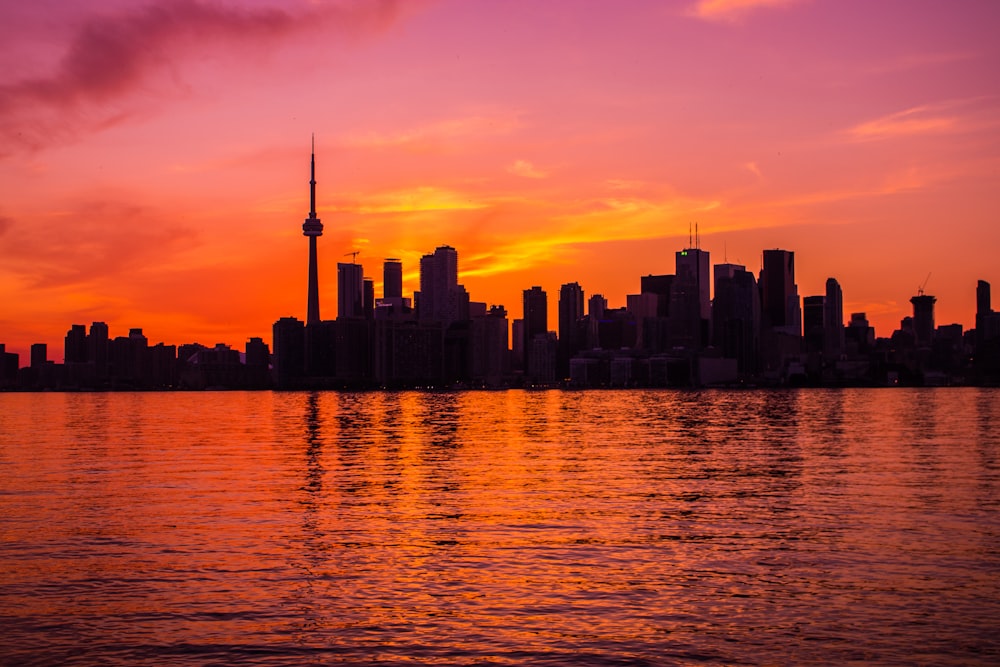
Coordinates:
[570,308]
[736,316]
[780,307]
[138,346]
[536,318]
[983,305]
[814,321]
[690,299]
[570,314]
[517,343]
[313,228]
[97,349]
[392,279]
[440,294]
[833,320]
[368,298]
[75,345]
[987,331]
[983,310]
[923,318]
[288,340]
[39,354]
[660,286]
[725,271]
[596,305]
[350,290]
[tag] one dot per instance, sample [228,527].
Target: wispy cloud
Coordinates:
[432,136]
[732,10]
[916,120]
[112,55]
[525,169]
[412,200]
[754,169]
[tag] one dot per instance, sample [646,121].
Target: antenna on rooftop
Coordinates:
[920,290]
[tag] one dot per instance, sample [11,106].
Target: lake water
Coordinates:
[555,527]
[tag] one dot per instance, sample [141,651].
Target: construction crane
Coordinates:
[920,290]
[354,256]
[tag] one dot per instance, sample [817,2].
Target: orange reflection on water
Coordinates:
[508,526]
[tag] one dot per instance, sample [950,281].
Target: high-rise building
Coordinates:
[392,279]
[350,290]
[517,343]
[860,333]
[289,344]
[570,314]
[814,321]
[312,228]
[736,316]
[660,286]
[75,345]
[441,298]
[983,305]
[690,299]
[368,298]
[780,307]
[39,354]
[570,309]
[923,318]
[536,319]
[489,347]
[97,349]
[596,305]
[833,320]
[987,322]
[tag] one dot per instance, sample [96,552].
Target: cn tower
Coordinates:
[312,228]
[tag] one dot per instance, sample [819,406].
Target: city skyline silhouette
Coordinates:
[703,325]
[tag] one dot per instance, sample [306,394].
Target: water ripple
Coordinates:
[606,528]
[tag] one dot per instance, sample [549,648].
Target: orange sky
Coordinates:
[154,156]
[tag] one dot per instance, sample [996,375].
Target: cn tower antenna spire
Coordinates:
[312,180]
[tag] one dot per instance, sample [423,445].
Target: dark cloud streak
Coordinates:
[112,55]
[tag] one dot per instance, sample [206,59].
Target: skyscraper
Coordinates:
[350,290]
[536,320]
[97,349]
[596,305]
[983,306]
[780,307]
[392,279]
[441,297]
[833,320]
[75,345]
[923,318]
[312,227]
[690,299]
[570,314]
[736,316]
[814,322]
